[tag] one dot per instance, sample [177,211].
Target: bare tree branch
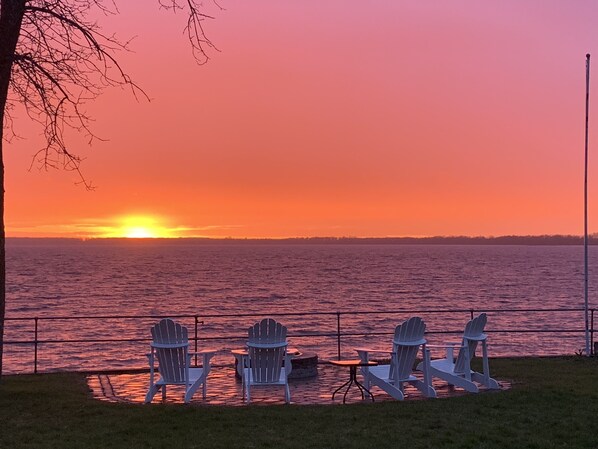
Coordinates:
[54,59]
[196,36]
[63,60]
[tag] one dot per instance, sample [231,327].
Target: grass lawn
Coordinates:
[553,404]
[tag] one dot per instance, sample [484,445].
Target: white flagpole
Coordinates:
[585,212]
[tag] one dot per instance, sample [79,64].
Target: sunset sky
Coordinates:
[332,118]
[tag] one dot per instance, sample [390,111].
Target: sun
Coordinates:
[139,233]
[139,227]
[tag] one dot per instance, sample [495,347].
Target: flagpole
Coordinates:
[585,212]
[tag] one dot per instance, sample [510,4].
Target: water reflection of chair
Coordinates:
[458,372]
[266,352]
[171,346]
[408,338]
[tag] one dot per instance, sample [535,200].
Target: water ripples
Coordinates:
[161,278]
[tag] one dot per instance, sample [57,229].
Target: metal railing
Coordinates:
[338,334]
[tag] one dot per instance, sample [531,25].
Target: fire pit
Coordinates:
[305,364]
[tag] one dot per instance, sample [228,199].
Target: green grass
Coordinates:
[553,404]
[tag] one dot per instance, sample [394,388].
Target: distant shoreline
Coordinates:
[438,240]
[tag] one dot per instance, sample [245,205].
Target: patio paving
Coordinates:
[225,389]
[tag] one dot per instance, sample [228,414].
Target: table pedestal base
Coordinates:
[353,380]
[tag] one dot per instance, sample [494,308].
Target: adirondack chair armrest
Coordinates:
[206,354]
[449,349]
[447,345]
[364,352]
[376,350]
[210,351]
[480,337]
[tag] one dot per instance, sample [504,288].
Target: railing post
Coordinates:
[196,324]
[338,334]
[592,352]
[35,343]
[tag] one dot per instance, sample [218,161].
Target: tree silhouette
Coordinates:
[55,58]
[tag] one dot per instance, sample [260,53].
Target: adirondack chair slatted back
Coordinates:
[406,342]
[266,346]
[474,329]
[172,359]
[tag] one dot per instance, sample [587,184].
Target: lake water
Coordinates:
[50,278]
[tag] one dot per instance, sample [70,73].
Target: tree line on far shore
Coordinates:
[436,240]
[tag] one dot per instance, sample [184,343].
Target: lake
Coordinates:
[229,285]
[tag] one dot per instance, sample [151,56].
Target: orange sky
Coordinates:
[333,118]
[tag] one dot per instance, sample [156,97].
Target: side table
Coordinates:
[352,364]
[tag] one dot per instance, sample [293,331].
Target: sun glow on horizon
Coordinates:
[138,227]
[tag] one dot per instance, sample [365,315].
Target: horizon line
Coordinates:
[331,238]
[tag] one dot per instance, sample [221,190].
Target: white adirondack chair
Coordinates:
[170,346]
[458,372]
[408,338]
[266,352]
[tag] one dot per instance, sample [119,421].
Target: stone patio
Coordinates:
[225,389]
